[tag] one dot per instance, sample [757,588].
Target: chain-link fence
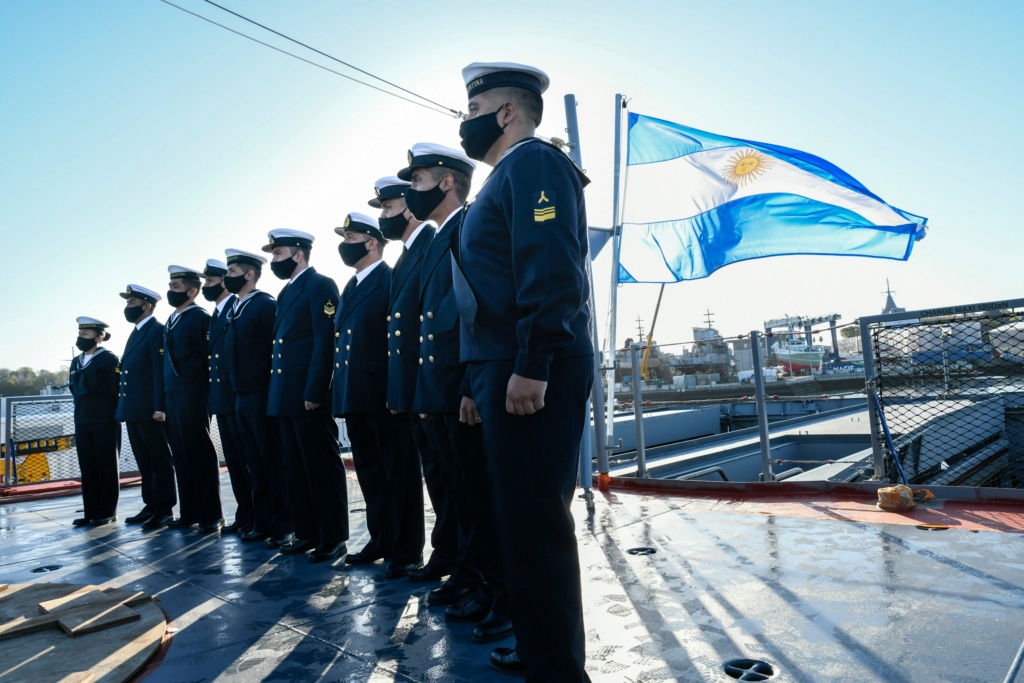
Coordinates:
[950,385]
[40,432]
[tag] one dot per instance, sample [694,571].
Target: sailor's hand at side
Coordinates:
[311,406]
[524,396]
[467,412]
[160,416]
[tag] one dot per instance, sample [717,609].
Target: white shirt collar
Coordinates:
[445,221]
[298,275]
[414,235]
[222,303]
[361,275]
[139,325]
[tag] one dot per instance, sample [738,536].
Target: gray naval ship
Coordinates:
[713,547]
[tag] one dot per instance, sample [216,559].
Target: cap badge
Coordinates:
[410,157]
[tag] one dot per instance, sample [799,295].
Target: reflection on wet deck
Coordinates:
[821,597]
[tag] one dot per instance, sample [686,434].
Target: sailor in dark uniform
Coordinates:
[93,383]
[441,180]
[434,171]
[222,395]
[141,405]
[249,341]
[382,449]
[398,224]
[299,397]
[522,292]
[186,384]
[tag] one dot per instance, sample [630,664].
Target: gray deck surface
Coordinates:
[820,599]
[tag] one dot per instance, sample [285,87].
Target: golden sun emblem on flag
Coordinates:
[746,166]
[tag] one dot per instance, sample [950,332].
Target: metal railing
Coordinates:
[949,384]
[39,441]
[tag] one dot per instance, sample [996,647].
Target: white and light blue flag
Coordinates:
[697,201]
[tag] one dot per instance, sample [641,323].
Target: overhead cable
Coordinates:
[443,110]
[453,112]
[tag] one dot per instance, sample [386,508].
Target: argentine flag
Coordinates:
[697,201]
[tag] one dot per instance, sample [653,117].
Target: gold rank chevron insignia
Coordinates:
[543,206]
[329,308]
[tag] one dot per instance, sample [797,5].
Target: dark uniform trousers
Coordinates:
[97,446]
[195,459]
[316,477]
[153,456]
[532,464]
[461,451]
[238,469]
[445,536]
[258,441]
[388,471]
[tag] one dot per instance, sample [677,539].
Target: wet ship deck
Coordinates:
[822,586]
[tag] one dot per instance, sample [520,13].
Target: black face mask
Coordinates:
[176,299]
[234,283]
[212,292]
[352,252]
[85,345]
[283,269]
[394,227]
[132,313]
[423,202]
[478,136]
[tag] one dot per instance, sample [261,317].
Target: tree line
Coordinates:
[27,382]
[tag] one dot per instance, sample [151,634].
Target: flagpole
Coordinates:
[594,434]
[620,106]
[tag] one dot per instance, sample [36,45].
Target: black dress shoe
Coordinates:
[506,661]
[140,518]
[181,523]
[297,546]
[157,522]
[364,556]
[252,535]
[100,521]
[397,571]
[235,527]
[431,571]
[81,521]
[211,527]
[470,610]
[282,541]
[322,554]
[493,627]
[447,594]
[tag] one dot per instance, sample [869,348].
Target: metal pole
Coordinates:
[616,245]
[762,410]
[868,353]
[595,434]
[638,413]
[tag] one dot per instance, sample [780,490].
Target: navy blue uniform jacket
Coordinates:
[185,367]
[303,331]
[360,348]
[143,363]
[94,387]
[251,342]
[522,250]
[403,322]
[222,396]
[440,370]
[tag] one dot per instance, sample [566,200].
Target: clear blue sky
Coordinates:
[135,136]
